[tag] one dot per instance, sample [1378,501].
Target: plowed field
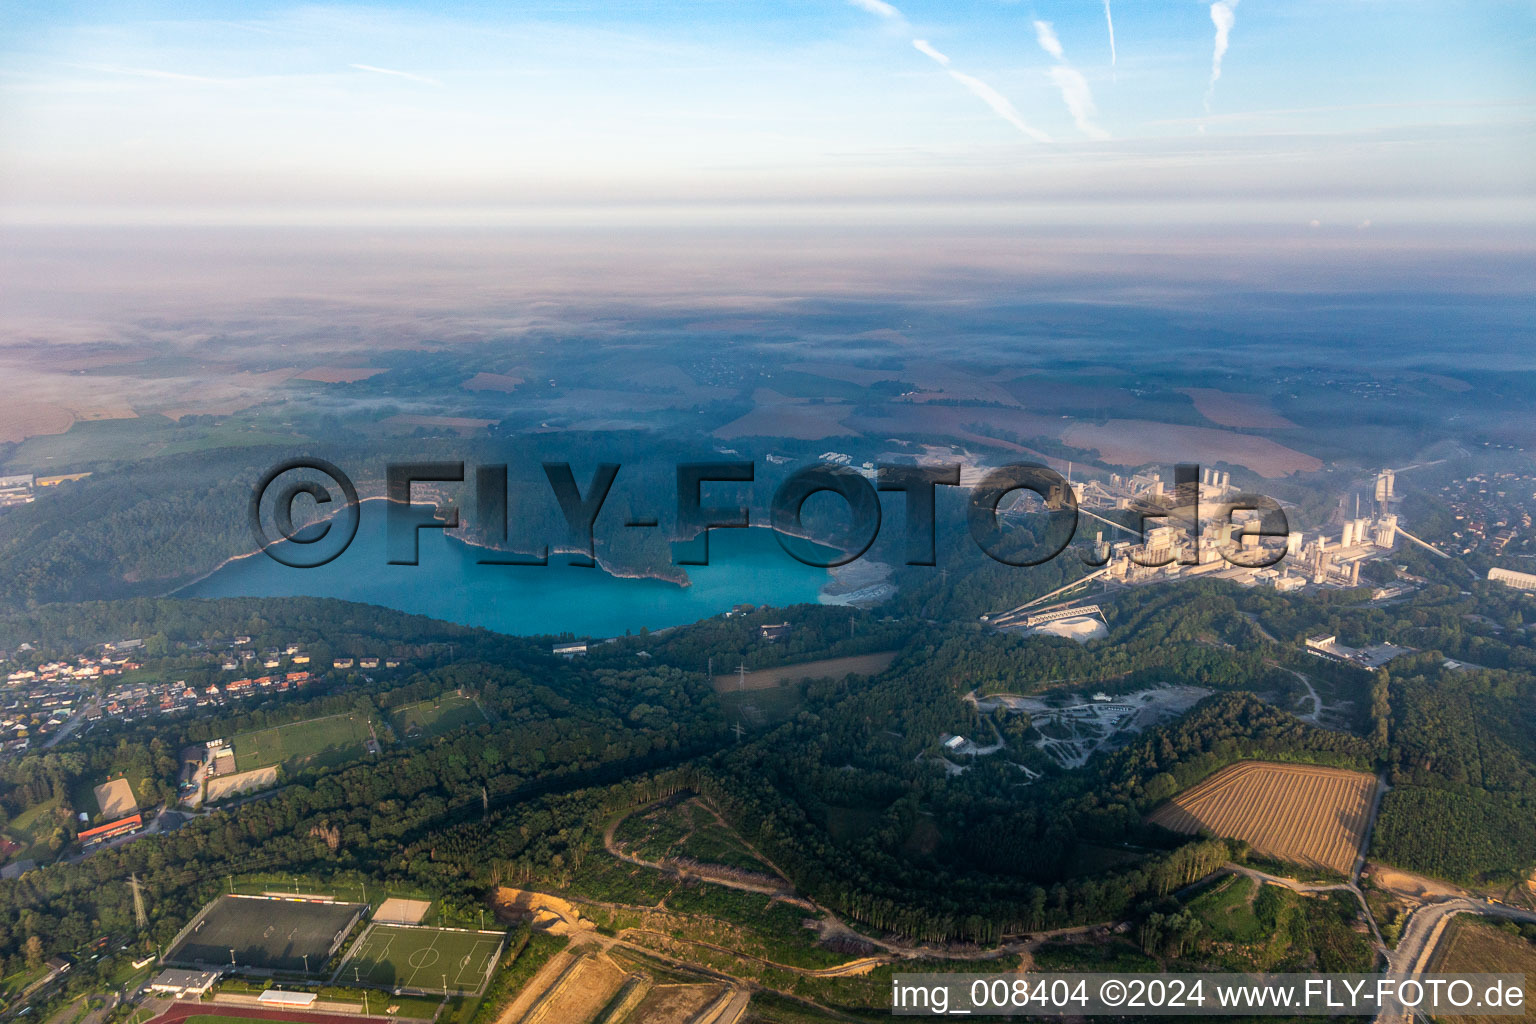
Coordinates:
[1295,813]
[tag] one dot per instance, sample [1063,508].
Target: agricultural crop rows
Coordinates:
[1296,813]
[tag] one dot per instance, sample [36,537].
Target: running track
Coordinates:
[181,1011]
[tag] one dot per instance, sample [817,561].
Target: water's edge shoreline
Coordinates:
[872,582]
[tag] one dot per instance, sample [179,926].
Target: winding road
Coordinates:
[1423,932]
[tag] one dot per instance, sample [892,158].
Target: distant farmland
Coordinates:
[1295,813]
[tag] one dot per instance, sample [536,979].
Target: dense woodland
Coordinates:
[148,527]
[844,794]
[562,728]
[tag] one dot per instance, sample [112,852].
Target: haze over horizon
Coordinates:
[626,113]
[200,204]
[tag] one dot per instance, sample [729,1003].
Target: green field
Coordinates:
[1228,910]
[1247,925]
[13,984]
[431,718]
[127,440]
[31,829]
[420,959]
[318,743]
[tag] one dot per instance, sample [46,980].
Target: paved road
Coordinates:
[731,1009]
[76,720]
[1422,934]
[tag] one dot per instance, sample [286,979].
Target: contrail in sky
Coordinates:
[981,90]
[1109,20]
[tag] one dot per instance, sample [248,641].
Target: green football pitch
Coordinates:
[434,717]
[312,744]
[421,959]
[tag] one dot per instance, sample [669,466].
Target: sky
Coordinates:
[1350,111]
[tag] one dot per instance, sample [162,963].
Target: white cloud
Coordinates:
[1046,35]
[397,74]
[1070,83]
[1078,98]
[921,45]
[878,8]
[1223,16]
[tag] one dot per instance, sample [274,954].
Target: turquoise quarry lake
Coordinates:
[746,566]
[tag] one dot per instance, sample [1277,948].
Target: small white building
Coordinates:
[180,984]
[954,743]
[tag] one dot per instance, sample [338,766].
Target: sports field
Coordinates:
[312,744]
[115,799]
[421,959]
[436,716]
[266,934]
[1297,813]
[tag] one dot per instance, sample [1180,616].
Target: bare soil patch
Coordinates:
[1404,883]
[221,786]
[116,800]
[21,420]
[1140,442]
[402,911]
[675,1004]
[581,994]
[558,916]
[1231,409]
